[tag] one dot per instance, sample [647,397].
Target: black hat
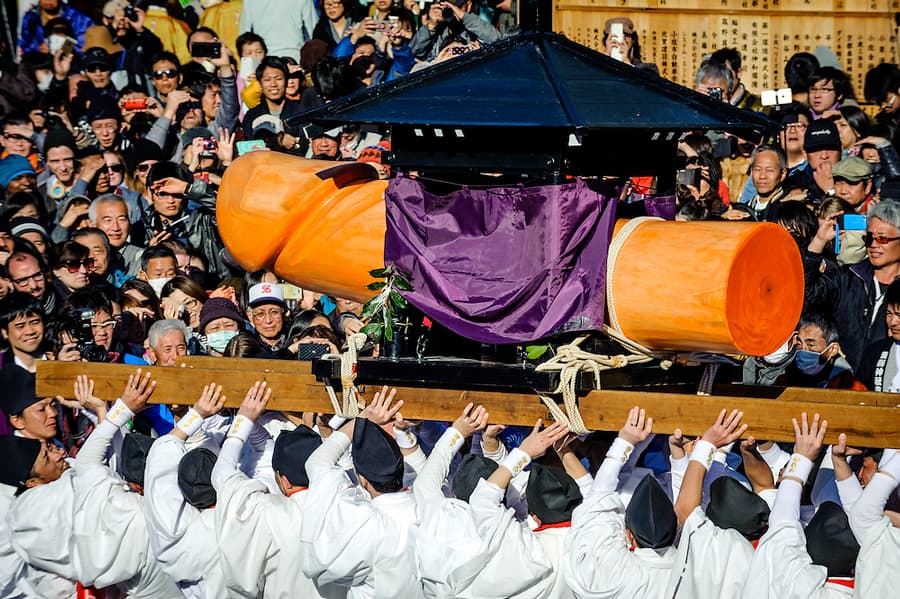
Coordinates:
[552,494]
[103,106]
[135,448]
[650,516]
[732,505]
[375,453]
[19,455]
[60,137]
[822,134]
[97,57]
[195,478]
[142,150]
[17,385]
[292,449]
[830,542]
[472,469]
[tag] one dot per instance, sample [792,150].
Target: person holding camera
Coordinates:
[126,25]
[447,21]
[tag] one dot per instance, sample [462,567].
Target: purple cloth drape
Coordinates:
[502,265]
[662,206]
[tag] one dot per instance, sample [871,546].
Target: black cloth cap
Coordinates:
[141,151]
[822,134]
[650,516]
[552,494]
[830,542]
[732,505]
[19,455]
[472,469]
[97,57]
[17,385]
[103,106]
[375,453]
[135,448]
[292,449]
[60,137]
[195,478]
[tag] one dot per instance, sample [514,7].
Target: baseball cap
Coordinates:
[265,292]
[627,25]
[853,169]
[822,134]
[97,57]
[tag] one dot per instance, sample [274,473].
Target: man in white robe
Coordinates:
[109,536]
[613,552]
[551,493]
[258,531]
[362,538]
[878,564]
[715,549]
[793,563]
[177,498]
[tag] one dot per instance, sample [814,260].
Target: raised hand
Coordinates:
[255,401]
[211,401]
[137,391]
[839,454]
[756,469]
[539,441]
[809,437]
[727,429]
[637,426]
[380,411]
[679,444]
[84,393]
[471,420]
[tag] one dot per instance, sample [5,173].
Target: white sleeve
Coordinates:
[678,469]
[227,462]
[607,478]
[163,501]
[781,568]
[499,455]
[93,452]
[868,512]
[787,503]
[431,477]
[849,491]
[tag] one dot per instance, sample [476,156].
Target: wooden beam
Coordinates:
[872,425]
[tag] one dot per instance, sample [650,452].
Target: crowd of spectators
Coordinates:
[119,121]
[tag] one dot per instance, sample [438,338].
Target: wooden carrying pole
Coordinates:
[868,419]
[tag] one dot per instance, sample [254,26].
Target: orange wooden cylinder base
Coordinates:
[274,211]
[723,287]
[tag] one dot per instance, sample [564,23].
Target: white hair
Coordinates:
[109,9]
[106,198]
[161,327]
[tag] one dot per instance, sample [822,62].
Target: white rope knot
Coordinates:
[350,407]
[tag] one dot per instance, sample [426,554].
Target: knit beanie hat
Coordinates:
[13,166]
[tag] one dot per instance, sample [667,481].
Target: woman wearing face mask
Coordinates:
[818,361]
[220,320]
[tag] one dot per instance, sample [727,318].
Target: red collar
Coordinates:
[297,490]
[565,524]
[847,582]
[755,544]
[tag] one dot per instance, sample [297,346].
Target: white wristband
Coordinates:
[119,414]
[241,428]
[456,439]
[620,450]
[516,461]
[405,439]
[336,422]
[720,456]
[703,453]
[799,466]
[190,423]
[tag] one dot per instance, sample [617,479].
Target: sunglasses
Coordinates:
[167,73]
[113,168]
[74,266]
[879,239]
[15,137]
[97,68]
[142,167]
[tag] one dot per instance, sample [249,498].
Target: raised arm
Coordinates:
[809,438]
[869,510]
[637,428]
[251,409]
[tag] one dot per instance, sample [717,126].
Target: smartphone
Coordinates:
[291,292]
[249,145]
[311,351]
[852,222]
[248,67]
[381,25]
[135,104]
[689,176]
[206,49]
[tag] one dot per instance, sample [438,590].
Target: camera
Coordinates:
[210,145]
[84,337]
[715,93]
[131,14]
[448,14]
[135,104]
[206,49]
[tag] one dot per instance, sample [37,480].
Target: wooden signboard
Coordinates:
[868,419]
[676,34]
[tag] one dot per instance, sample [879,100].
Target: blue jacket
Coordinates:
[33,31]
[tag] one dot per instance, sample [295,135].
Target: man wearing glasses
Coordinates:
[27,274]
[265,310]
[855,294]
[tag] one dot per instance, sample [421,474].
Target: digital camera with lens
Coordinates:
[84,337]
